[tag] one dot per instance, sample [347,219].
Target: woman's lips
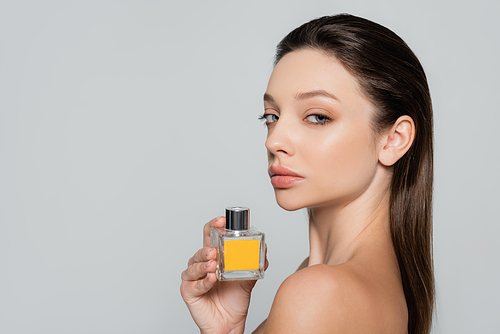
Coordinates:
[282,177]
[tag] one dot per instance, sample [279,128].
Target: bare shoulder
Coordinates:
[317,299]
[327,299]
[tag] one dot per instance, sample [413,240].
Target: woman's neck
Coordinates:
[337,232]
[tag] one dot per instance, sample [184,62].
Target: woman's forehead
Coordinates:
[311,70]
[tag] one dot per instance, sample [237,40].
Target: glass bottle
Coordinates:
[240,248]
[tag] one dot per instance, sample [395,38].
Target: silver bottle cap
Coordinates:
[237,218]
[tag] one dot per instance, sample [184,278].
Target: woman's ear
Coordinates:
[397,141]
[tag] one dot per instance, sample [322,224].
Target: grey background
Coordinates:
[126,125]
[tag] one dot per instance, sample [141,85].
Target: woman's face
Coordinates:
[321,148]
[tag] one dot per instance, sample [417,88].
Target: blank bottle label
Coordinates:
[241,255]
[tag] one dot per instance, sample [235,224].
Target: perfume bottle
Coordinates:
[240,248]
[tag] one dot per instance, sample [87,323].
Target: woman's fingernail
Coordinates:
[208,263]
[208,251]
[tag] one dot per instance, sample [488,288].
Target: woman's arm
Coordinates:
[260,329]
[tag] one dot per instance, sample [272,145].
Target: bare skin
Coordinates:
[319,129]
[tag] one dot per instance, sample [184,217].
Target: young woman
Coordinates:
[349,122]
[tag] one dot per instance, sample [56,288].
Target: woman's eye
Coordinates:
[318,119]
[269,118]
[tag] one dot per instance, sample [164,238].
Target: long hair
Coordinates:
[391,76]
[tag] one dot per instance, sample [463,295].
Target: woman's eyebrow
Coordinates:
[304,96]
[314,93]
[268,98]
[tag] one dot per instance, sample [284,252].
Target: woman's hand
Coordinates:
[216,307]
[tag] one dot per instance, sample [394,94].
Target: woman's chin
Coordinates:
[289,204]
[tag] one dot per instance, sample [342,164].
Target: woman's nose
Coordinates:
[279,139]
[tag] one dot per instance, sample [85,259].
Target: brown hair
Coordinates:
[390,74]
